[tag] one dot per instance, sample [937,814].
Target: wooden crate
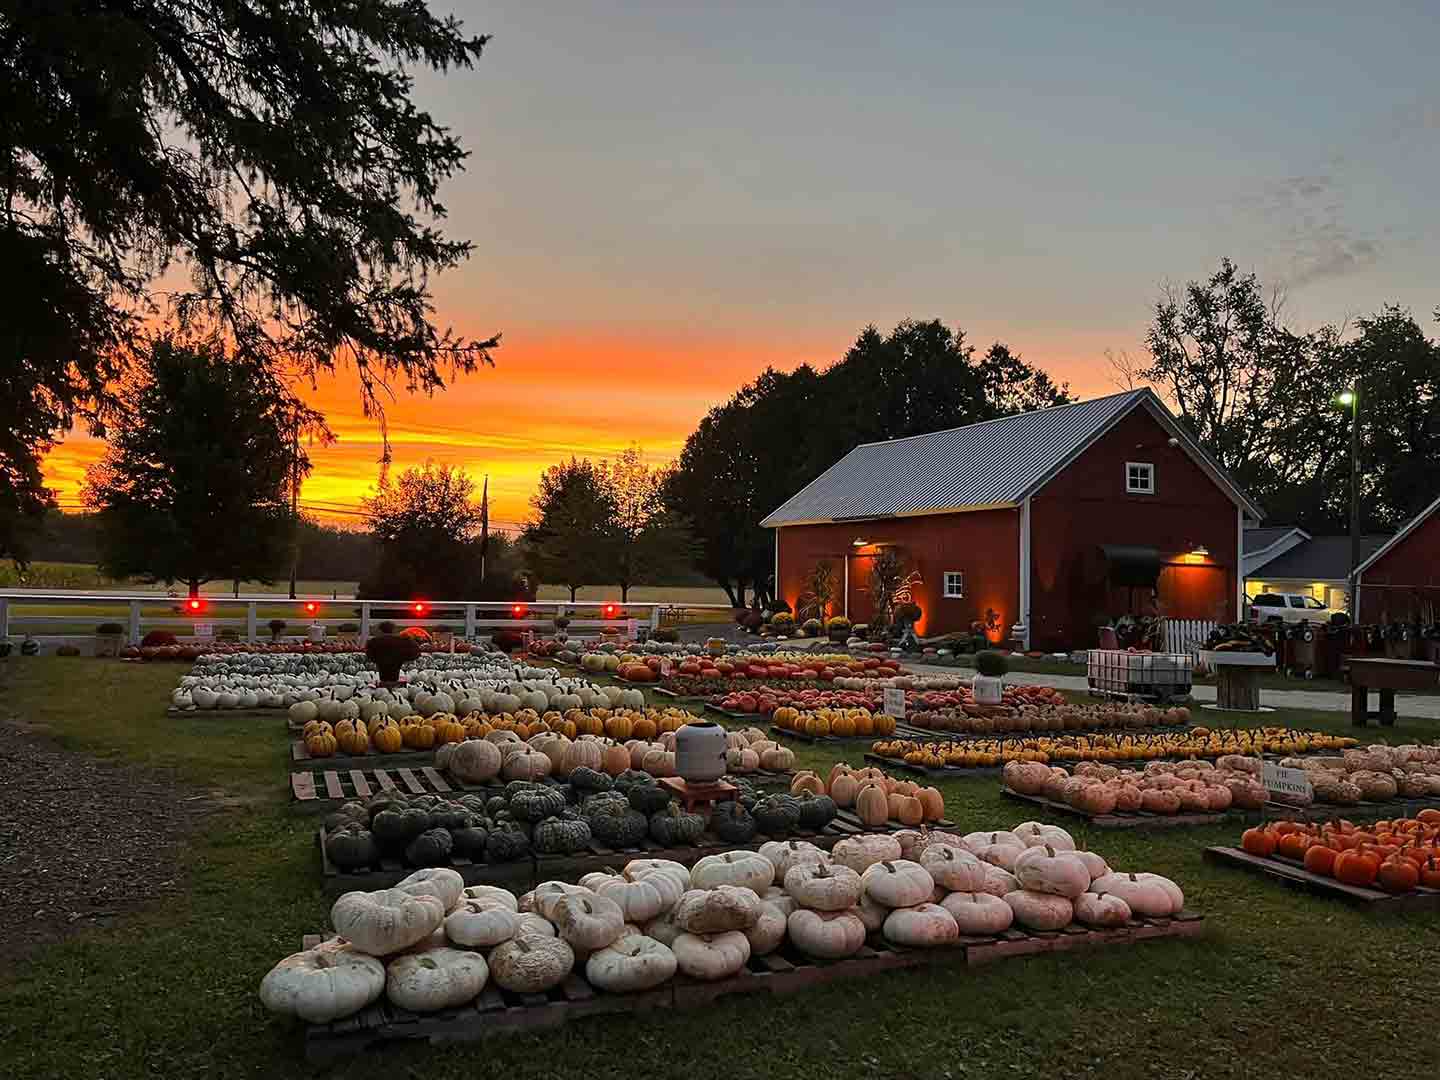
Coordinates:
[322,788]
[1139,819]
[498,1012]
[1292,873]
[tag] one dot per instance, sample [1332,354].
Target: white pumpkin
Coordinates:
[531,924]
[481,924]
[747,869]
[899,883]
[999,881]
[824,886]
[438,881]
[769,930]
[635,962]
[783,854]
[1037,834]
[588,922]
[530,964]
[1149,895]
[1001,855]
[301,713]
[782,900]
[978,912]
[1043,869]
[475,761]
[384,922]
[1040,911]
[1094,863]
[1107,910]
[711,956]
[332,980]
[491,895]
[953,869]
[713,911]
[826,935]
[923,926]
[663,928]
[639,901]
[977,841]
[526,764]
[860,853]
[545,896]
[871,912]
[435,979]
[636,869]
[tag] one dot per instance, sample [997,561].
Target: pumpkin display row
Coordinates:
[874,796]
[429,943]
[840,723]
[1168,788]
[554,819]
[1377,773]
[732,666]
[1397,855]
[1024,710]
[766,699]
[1197,744]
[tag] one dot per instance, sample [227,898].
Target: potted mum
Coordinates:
[277,627]
[390,652]
[109,638]
[990,668]
[838,627]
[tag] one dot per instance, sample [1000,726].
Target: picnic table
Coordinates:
[1375,673]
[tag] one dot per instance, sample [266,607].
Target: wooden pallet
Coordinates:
[1362,810]
[949,772]
[902,731]
[1120,819]
[1293,874]
[498,1012]
[319,789]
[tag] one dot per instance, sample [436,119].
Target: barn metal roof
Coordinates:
[996,463]
[1405,530]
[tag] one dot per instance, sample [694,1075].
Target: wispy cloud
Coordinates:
[1309,234]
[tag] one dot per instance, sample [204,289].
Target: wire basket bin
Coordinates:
[1152,676]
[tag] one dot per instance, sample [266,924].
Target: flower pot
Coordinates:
[989,689]
[109,644]
[700,752]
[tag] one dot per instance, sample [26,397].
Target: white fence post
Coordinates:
[364,621]
[655,618]
[135,635]
[4,618]
[469,620]
[250,621]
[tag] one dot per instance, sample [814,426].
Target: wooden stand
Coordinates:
[1237,678]
[690,795]
[1386,676]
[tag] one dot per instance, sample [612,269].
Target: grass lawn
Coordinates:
[1282,983]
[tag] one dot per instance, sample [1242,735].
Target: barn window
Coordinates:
[954,584]
[1140,478]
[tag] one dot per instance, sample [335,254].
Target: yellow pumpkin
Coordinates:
[817,725]
[387,738]
[321,743]
[619,727]
[314,727]
[843,726]
[884,724]
[644,728]
[354,740]
[864,723]
[785,717]
[419,736]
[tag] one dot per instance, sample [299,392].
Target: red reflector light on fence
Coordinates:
[420,608]
[194,604]
[311,607]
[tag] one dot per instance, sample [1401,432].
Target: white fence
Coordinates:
[1187,635]
[139,613]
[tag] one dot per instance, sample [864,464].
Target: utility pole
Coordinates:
[294,504]
[1351,397]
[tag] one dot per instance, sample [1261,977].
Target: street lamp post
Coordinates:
[1351,398]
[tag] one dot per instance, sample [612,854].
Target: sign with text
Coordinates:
[204,630]
[666,668]
[1284,782]
[894,702]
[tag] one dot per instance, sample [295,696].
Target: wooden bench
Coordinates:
[1374,673]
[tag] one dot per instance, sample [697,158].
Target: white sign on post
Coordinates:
[894,699]
[1284,782]
[317,631]
[666,668]
[204,630]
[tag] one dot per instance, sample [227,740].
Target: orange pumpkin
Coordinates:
[1397,875]
[1258,842]
[1430,874]
[642,727]
[1292,845]
[872,805]
[1356,867]
[1320,859]
[807,781]
[620,726]
[932,803]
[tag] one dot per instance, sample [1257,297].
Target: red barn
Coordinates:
[1048,520]
[1400,582]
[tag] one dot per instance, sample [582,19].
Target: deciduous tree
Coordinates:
[568,541]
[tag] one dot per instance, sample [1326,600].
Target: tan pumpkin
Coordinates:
[614,759]
[843,790]
[807,781]
[922,926]
[906,809]
[872,805]
[932,803]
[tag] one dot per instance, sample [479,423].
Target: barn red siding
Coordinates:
[985,545]
[1086,505]
[1398,585]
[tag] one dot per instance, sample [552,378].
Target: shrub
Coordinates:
[910,612]
[989,662]
[837,622]
[783,622]
[109,629]
[157,637]
[389,652]
[277,627]
[387,627]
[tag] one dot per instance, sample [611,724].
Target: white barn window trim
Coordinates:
[954,585]
[1139,478]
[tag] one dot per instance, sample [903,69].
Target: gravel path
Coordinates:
[82,842]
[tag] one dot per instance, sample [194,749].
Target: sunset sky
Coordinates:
[667,197]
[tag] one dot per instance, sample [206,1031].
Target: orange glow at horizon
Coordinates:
[547,398]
